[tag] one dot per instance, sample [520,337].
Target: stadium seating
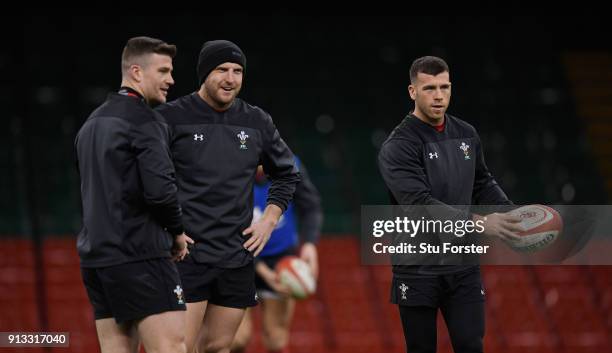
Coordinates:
[542,309]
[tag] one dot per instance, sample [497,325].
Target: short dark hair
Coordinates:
[431,65]
[139,46]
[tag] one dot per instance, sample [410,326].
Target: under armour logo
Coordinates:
[433,155]
[198,137]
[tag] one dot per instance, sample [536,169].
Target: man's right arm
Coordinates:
[401,167]
[157,174]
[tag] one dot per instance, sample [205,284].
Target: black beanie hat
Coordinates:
[215,53]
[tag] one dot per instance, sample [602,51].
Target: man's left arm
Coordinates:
[279,165]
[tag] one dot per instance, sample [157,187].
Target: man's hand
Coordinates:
[179,248]
[310,256]
[501,225]
[271,278]
[260,231]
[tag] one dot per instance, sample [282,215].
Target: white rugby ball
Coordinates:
[542,226]
[296,275]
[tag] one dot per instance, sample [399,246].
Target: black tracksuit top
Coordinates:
[216,155]
[422,166]
[128,190]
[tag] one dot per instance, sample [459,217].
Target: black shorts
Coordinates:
[134,290]
[271,261]
[438,290]
[229,287]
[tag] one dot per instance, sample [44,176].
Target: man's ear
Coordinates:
[412,92]
[136,72]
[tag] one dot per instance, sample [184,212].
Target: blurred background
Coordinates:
[538,90]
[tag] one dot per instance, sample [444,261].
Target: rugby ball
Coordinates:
[295,273]
[542,225]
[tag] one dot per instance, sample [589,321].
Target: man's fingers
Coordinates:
[512,227]
[189,240]
[510,218]
[256,244]
[312,263]
[509,235]
[314,268]
[249,230]
[247,244]
[252,242]
[185,253]
[263,240]
[259,249]
[283,289]
[179,255]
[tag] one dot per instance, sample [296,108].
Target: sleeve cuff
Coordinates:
[176,231]
[282,206]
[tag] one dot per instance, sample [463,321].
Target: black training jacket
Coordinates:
[422,166]
[128,189]
[216,155]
